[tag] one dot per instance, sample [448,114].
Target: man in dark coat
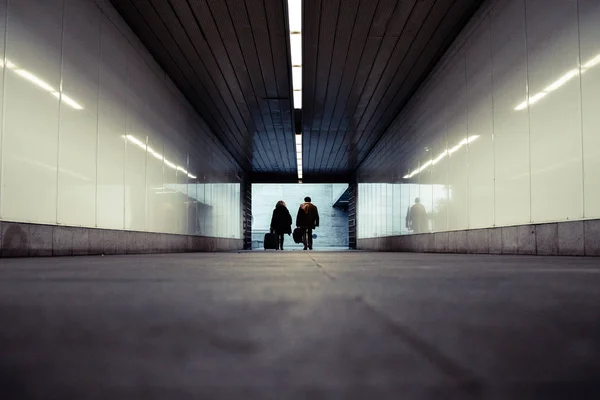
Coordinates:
[281,222]
[416,217]
[307,219]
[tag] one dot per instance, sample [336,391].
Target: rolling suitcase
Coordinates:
[271,241]
[297,235]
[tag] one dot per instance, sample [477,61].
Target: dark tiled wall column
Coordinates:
[247,213]
[353,190]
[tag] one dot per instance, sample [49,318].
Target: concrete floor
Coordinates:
[300,325]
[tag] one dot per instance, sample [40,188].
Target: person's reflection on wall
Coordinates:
[416,217]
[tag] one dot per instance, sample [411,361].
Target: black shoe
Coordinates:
[305,248]
[310,248]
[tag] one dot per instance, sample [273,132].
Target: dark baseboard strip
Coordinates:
[572,238]
[33,240]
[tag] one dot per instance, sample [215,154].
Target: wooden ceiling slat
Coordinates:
[410,21]
[310,47]
[262,43]
[195,91]
[347,19]
[231,51]
[366,64]
[441,20]
[327,35]
[278,35]
[404,53]
[218,63]
[339,119]
[148,12]
[362,61]
[245,35]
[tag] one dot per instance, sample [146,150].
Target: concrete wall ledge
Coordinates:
[569,238]
[34,240]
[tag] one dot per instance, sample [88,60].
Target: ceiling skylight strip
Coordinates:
[295,24]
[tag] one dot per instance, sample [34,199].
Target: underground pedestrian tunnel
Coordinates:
[452,147]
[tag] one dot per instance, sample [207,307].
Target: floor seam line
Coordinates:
[331,277]
[447,366]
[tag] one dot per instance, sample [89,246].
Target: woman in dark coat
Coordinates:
[281,222]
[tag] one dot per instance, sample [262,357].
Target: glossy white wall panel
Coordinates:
[156,191]
[184,198]
[181,123]
[78,125]
[30,144]
[396,209]
[456,116]
[179,203]
[511,129]
[135,188]
[112,97]
[555,120]
[170,201]
[135,155]
[93,147]
[589,17]
[556,135]
[480,127]
[389,211]
[439,177]
[154,128]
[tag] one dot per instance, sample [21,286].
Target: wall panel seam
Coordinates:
[60,91]
[100,20]
[3,111]
[528,109]
[583,203]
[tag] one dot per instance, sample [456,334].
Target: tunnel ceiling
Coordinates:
[362,61]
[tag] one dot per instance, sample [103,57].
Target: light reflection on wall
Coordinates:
[155,154]
[213,208]
[41,84]
[442,156]
[382,208]
[558,83]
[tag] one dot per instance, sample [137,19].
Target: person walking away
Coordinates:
[307,219]
[416,218]
[281,222]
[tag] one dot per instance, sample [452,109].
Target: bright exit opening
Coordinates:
[331,200]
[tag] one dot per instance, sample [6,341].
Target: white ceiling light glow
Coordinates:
[295,24]
[558,83]
[42,85]
[299,155]
[150,150]
[442,155]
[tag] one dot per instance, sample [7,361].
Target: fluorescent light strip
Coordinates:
[295,15]
[441,156]
[299,155]
[296,48]
[150,150]
[558,83]
[295,24]
[42,84]
[297,78]
[297,98]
